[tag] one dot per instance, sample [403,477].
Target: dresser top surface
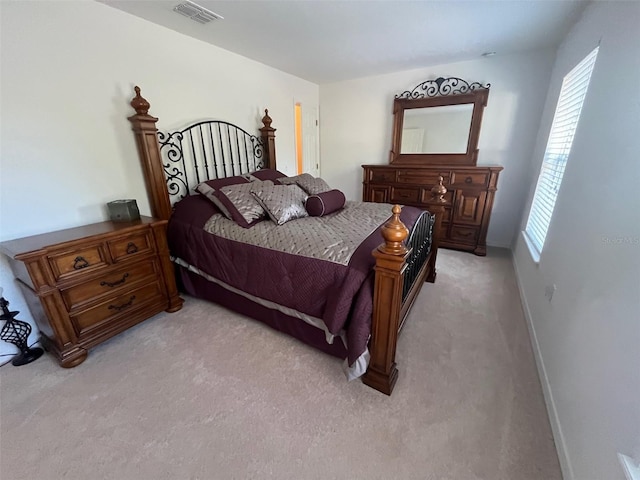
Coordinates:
[496,168]
[23,246]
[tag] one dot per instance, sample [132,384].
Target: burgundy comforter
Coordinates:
[342,296]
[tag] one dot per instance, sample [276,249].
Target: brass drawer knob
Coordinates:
[131,248]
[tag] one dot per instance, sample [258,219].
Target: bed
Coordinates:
[342,282]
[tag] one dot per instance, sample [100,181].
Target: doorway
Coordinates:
[306,127]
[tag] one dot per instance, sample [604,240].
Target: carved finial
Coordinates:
[139,104]
[438,192]
[394,233]
[266,120]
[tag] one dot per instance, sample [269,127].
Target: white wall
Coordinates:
[587,339]
[68,71]
[356,121]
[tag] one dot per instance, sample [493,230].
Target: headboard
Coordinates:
[174,163]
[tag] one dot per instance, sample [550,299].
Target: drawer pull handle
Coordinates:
[131,248]
[80,263]
[124,305]
[467,234]
[117,282]
[468,180]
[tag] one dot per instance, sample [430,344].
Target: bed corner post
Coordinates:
[145,132]
[387,302]
[268,135]
[436,207]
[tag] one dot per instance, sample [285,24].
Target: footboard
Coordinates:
[401,269]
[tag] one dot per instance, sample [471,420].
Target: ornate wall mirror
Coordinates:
[438,123]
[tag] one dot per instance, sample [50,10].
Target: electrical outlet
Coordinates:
[549,291]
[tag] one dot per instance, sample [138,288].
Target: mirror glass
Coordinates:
[438,123]
[436,129]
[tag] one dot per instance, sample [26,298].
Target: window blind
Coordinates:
[563,129]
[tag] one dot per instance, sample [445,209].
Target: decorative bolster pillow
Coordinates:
[325,203]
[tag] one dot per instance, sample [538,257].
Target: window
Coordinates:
[563,129]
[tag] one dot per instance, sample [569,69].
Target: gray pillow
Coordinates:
[211,194]
[293,180]
[313,186]
[283,203]
[210,189]
[245,210]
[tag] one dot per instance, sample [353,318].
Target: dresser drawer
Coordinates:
[115,307]
[131,245]
[461,178]
[382,176]
[109,283]
[421,177]
[427,196]
[464,234]
[404,195]
[78,261]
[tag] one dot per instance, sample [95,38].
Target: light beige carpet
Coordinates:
[207,394]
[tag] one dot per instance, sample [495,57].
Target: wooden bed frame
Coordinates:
[394,260]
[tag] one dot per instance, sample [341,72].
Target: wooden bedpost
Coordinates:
[268,135]
[436,207]
[390,265]
[438,211]
[145,131]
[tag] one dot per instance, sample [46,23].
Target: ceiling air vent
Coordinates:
[196,13]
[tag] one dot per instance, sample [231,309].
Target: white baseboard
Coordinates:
[498,245]
[561,448]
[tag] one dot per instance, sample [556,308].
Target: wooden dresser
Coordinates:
[470,192]
[84,285]
[436,129]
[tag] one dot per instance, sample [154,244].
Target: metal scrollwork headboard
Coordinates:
[207,150]
[174,163]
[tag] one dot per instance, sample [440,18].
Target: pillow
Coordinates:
[210,188]
[325,203]
[294,179]
[267,174]
[250,177]
[194,210]
[218,183]
[211,194]
[243,207]
[283,203]
[313,186]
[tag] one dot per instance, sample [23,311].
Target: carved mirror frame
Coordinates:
[438,93]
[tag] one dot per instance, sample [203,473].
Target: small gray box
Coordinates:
[123,210]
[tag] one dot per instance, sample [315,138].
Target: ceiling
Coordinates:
[326,41]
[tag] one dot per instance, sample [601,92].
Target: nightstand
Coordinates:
[84,285]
